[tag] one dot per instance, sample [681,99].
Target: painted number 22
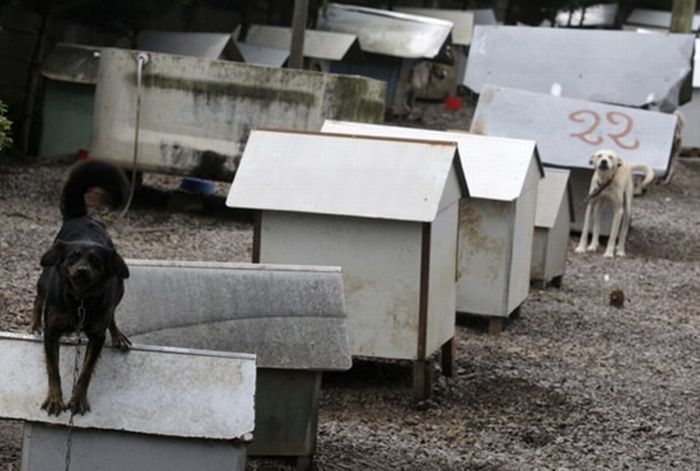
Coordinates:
[614,118]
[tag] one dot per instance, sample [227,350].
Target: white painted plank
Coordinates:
[152,390]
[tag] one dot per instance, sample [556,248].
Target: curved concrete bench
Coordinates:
[292,317]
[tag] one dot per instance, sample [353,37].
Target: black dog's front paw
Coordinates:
[53,405]
[78,405]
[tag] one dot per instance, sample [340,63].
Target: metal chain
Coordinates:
[76,369]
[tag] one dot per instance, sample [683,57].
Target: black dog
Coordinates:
[82,281]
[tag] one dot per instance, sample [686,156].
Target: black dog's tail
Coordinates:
[90,174]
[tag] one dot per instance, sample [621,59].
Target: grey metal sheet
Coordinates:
[387,32]
[291,317]
[208,45]
[595,15]
[72,63]
[342,175]
[317,44]
[494,168]
[484,16]
[655,19]
[550,196]
[568,131]
[619,67]
[260,55]
[463,21]
[138,391]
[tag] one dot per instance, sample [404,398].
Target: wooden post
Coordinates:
[296,48]
[682,16]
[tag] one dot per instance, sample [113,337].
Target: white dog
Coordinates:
[612,181]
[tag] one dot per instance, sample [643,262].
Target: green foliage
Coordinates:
[5,128]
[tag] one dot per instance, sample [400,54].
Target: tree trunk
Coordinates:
[682,16]
[296,48]
[32,88]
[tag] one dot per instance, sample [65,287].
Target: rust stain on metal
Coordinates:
[477,241]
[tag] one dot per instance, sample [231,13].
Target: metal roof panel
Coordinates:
[387,32]
[550,195]
[208,45]
[656,19]
[567,130]
[619,67]
[494,168]
[261,55]
[317,44]
[463,21]
[342,175]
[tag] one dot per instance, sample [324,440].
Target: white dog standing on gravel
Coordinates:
[612,181]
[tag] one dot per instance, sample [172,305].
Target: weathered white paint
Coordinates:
[152,390]
[463,21]
[325,45]
[342,175]
[208,45]
[381,263]
[493,268]
[551,226]
[196,114]
[387,32]
[595,65]
[494,168]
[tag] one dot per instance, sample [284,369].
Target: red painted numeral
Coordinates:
[614,118]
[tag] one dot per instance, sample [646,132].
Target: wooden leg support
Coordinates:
[496,325]
[448,357]
[421,380]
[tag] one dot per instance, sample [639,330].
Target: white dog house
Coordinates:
[133,396]
[385,210]
[496,220]
[568,131]
[552,220]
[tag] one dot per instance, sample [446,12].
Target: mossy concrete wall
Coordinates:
[196,114]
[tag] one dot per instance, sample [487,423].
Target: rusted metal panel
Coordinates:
[494,168]
[463,21]
[387,32]
[196,114]
[567,130]
[137,391]
[342,175]
[619,67]
[324,45]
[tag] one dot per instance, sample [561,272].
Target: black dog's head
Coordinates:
[84,265]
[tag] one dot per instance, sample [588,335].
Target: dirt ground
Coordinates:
[573,383]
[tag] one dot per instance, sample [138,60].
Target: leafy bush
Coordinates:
[5,127]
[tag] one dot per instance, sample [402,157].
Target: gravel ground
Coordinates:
[573,383]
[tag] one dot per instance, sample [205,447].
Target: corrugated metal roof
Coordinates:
[608,66]
[342,175]
[387,32]
[208,45]
[494,168]
[260,55]
[463,21]
[550,196]
[72,63]
[568,131]
[317,44]
[595,15]
[656,19]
